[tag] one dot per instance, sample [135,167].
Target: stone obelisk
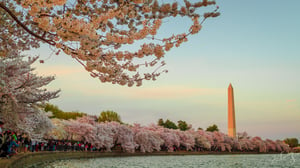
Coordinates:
[231,113]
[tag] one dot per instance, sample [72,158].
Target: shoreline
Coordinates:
[38,158]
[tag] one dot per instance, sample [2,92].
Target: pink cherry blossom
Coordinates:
[21,93]
[96,33]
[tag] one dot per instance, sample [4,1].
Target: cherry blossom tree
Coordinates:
[236,145]
[283,146]
[222,141]
[101,135]
[202,142]
[148,139]
[80,131]
[126,138]
[20,93]
[259,144]
[58,131]
[97,33]
[171,139]
[186,139]
[36,125]
[106,135]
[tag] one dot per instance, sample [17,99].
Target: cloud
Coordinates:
[58,70]
[291,100]
[164,92]
[172,92]
[74,79]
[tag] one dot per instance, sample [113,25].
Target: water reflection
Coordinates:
[194,161]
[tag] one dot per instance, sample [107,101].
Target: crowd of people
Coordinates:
[12,143]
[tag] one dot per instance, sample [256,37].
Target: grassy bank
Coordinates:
[29,159]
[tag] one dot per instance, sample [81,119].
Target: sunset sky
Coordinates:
[253,44]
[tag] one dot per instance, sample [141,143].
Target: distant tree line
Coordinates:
[182,125]
[212,128]
[105,116]
[58,113]
[292,142]
[108,116]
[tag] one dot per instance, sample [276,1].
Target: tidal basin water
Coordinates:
[188,161]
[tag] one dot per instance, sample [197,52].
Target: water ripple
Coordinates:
[189,161]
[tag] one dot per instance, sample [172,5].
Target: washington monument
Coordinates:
[231,113]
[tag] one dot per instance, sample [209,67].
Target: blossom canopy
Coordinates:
[97,33]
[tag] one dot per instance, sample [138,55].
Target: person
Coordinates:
[86,146]
[42,146]
[37,145]
[14,137]
[11,147]
[20,141]
[4,141]
[1,125]
[26,142]
[75,146]
[2,138]
[33,143]
[46,146]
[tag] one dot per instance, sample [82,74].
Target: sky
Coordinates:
[254,45]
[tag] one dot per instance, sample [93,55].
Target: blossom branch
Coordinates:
[51,42]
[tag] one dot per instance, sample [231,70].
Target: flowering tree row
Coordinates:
[153,138]
[96,32]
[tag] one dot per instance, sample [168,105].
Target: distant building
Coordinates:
[231,113]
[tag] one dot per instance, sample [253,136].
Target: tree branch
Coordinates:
[25,27]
